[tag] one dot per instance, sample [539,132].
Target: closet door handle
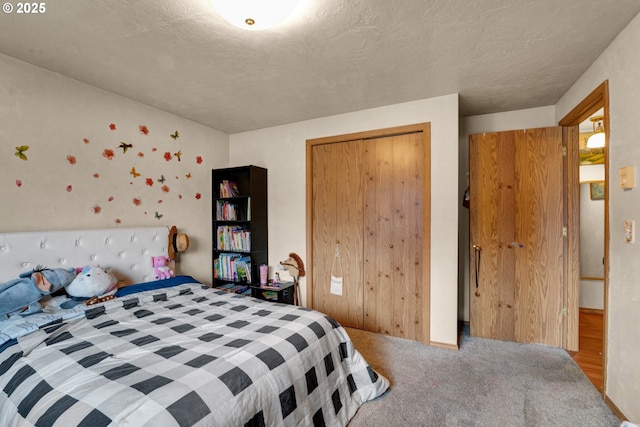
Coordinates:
[390,246]
[477,251]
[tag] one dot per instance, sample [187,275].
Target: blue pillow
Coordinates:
[156,284]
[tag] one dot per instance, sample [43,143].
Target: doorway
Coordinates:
[591,321]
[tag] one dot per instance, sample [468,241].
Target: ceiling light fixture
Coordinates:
[597,140]
[255,14]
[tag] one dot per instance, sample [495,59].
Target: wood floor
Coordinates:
[589,354]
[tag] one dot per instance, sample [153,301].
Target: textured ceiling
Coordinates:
[336,56]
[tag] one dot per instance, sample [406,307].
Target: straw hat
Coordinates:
[178,242]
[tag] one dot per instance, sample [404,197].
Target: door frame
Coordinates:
[598,98]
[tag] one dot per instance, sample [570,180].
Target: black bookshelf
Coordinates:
[240,232]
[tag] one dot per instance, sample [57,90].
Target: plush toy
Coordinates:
[22,295]
[161,267]
[92,281]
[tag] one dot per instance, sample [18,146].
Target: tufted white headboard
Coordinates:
[126,252]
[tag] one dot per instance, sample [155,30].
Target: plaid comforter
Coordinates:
[186,356]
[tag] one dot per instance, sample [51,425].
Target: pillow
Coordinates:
[92,281]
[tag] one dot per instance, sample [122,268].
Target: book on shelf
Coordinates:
[233,238]
[243,269]
[228,189]
[234,288]
[226,211]
[233,267]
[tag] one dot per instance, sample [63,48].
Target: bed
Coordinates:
[172,352]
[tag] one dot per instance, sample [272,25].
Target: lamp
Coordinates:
[597,140]
[255,14]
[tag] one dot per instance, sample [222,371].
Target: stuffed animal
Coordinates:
[92,281]
[161,267]
[22,295]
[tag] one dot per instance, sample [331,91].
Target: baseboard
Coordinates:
[591,310]
[617,412]
[444,345]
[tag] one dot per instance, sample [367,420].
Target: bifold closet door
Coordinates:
[338,216]
[517,252]
[393,235]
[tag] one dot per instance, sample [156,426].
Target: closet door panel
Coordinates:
[393,235]
[408,234]
[539,222]
[492,220]
[378,251]
[337,192]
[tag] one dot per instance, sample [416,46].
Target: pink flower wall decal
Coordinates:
[137,201]
[19,183]
[149,182]
[71,159]
[144,129]
[69,188]
[167,156]
[198,196]
[108,153]
[112,126]
[96,209]
[198,159]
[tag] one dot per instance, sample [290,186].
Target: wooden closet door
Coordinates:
[540,218]
[492,180]
[516,228]
[393,235]
[337,213]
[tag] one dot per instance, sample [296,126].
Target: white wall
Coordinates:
[591,234]
[282,151]
[53,115]
[620,64]
[521,119]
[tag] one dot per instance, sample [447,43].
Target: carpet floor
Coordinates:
[485,383]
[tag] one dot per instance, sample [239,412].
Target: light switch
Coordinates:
[626,176]
[629,231]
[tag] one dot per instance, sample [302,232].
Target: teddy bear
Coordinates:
[92,281]
[161,267]
[21,296]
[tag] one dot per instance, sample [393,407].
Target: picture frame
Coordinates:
[596,190]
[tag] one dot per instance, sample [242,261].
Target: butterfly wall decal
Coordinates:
[125,146]
[178,154]
[158,215]
[162,179]
[133,172]
[175,135]
[20,151]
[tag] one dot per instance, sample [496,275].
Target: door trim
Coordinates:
[598,98]
[425,128]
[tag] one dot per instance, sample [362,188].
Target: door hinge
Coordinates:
[564,151]
[564,231]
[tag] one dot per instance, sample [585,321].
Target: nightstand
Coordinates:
[282,293]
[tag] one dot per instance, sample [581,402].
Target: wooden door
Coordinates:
[393,235]
[517,215]
[338,215]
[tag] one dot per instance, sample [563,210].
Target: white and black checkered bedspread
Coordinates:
[186,356]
